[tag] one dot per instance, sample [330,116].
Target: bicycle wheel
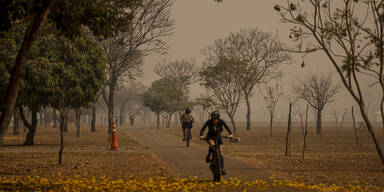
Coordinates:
[216,166]
[187,136]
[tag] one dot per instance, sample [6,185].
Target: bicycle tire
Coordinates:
[216,166]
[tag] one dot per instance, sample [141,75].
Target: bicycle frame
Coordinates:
[215,164]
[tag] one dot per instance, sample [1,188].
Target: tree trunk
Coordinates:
[112,87]
[19,69]
[248,112]
[372,132]
[93,122]
[287,138]
[305,134]
[270,124]
[158,120]
[233,125]
[169,120]
[46,117]
[65,125]
[54,118]
[78,115]
[61,139]
[354,127]
[145,116]
[31,126]
[16,123]
[382,113]
[318,123]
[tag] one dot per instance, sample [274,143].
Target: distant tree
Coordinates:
[128,96]
[208,103]
[182,73]
[155,100]
[317,90]
[271,98]
[258,55]
[226,90]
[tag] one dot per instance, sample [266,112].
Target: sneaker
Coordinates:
[223,172]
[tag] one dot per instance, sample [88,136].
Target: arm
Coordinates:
[181,118]
[203,128]
[226,127]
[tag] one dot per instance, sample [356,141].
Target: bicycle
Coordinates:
[215,165]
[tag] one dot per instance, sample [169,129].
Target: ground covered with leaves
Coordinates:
[89,165]
[332,158]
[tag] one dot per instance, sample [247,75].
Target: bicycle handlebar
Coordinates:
[218,137]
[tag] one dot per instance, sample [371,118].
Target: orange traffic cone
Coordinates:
[114,145]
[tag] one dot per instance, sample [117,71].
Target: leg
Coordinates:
[222,160]
[189,129]
[211,144]
[183,134]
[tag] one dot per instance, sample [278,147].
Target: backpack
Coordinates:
[187,118]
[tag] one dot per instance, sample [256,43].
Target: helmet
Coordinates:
[215,115]
[188,111]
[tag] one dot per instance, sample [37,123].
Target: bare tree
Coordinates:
[225,87]
[182,73]
[317,90]
[143,35]
[271,99]
[258,54]
[304,129]
[352,41]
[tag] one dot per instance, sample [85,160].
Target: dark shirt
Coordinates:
[214,130]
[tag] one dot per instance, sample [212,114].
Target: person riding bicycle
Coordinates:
[215,127]
[187,121]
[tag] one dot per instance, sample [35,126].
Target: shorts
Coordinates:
[219,140]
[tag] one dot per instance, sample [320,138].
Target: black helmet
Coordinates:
[188,111]
[215,115]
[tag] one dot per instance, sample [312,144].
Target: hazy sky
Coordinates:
[200,22]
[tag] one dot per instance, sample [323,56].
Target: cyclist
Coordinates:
[215,127]
[187,122]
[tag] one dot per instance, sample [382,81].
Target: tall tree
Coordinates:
[225,87]
[79,77]
[352,41]
[182,73]
[151,22]
[258,54]
[68,15]
[155,99]
[317,90]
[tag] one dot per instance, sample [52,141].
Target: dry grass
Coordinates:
[332,157]
[87,155]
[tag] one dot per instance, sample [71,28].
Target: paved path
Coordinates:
[186,162]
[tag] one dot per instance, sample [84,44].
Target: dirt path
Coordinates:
[189,162]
